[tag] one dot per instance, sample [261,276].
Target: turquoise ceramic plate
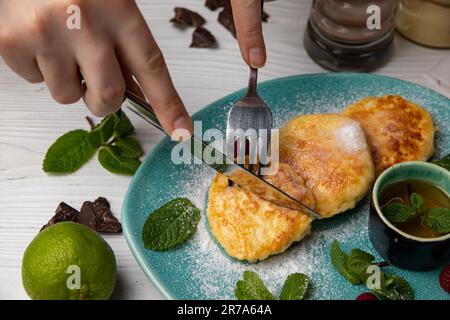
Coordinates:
[200,269]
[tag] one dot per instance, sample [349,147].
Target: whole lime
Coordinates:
[68,261]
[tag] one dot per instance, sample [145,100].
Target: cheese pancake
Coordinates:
[397,130]
[251,228]
[285,179]
[331,154]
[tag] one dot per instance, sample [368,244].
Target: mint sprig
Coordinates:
[417,203]
[101,133]
[354,266]
[129,147]
[119,152]
[357,263]
[295,287]
[436,218]
[122,124]
[251,287]
[397,212]
[170,225]
[113,160]
[69,153]
[340,261]
[394,288]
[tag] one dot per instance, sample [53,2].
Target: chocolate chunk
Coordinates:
[202,38]
[226,16]
[103,201]
[226,19]
[186,17]
[106,222]
[87,215]
[64,212]
[214,4]
[98,216]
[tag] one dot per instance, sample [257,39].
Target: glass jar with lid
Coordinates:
[426,22]
[340,37]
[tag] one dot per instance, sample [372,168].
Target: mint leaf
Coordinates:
[170,225]
[111,159]
[398,212]
[128,147]
[361,255]
[357,263]
[438,219]
[417,202]
[394,288]
[295,287]
[122,124]
[68,153]
[354,267]
[444,162]
[102,132]
[339,261]
[252,288]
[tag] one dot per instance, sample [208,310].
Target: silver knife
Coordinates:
[247,179]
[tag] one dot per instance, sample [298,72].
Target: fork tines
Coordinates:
[249,128]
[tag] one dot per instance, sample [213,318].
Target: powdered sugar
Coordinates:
[350,137]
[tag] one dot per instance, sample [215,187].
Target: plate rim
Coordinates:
[149,272]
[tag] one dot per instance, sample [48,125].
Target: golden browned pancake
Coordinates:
[251,228]
[397,130]
[331,154]
[285,179]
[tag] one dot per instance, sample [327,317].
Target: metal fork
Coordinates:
[249,126]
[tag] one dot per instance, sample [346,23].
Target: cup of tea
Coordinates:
[407,201]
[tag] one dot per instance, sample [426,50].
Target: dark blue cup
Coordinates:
[394,245]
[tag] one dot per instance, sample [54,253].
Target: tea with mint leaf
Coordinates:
[417,207]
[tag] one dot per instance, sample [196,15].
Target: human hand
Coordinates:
[248,23]
[112,45]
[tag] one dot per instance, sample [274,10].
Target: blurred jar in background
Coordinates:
[351,35]
[426,22]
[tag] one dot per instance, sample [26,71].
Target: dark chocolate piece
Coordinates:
[226,16]
[186,17]
[103,201]
[87,215]
[64,212]
[105,220]
[202,38]
[214,4]
[97,215]
[226,19]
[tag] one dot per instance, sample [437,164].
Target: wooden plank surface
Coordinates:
[30,121]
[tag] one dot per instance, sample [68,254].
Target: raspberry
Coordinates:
[366,296]
[444,278]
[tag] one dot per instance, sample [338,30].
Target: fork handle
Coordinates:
[253,83]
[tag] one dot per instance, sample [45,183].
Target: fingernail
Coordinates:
[182,129]
[256,57]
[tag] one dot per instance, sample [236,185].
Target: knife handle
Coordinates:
[142,109]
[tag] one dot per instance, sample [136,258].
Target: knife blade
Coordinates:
[237,173]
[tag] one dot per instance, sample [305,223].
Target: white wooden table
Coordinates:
[30,121]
